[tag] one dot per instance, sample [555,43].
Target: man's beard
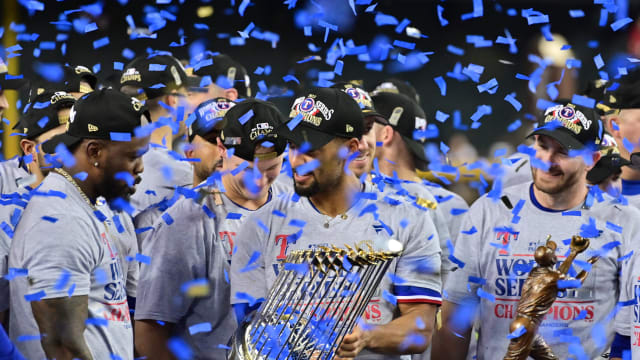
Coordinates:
[316,187]
[557,188]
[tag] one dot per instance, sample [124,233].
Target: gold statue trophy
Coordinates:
[538,294]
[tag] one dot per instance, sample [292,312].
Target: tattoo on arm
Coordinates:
[62,323]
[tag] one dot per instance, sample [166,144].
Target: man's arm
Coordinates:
[62,322]
[449,342]
[151,339]
[400,336]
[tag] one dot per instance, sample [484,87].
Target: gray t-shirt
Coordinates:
[162,173]
[420,196]
[191,241]
[494,253]
[451,205]
[11,208]
[628,318]
[10,174]
[517,170]
[67,251]
[267,231]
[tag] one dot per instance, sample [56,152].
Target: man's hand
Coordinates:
[353,343]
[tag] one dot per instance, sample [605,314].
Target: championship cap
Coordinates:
[9,82]
[102,114]
[405,116]
[573,126]
[610,162]
[156,75]
[322,115]
[74,76]
[624,95]
[226,73]
[208,117]
[397,86]
[360,96]
[41,115]
[250,123]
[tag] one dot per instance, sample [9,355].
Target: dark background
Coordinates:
[274,16]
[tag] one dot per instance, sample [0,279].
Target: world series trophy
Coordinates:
[538,294]
[315,301]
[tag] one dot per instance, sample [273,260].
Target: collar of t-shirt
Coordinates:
[364,187]
[630,187]
[244,208]
[537,204]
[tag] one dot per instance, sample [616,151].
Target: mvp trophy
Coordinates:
[315,301]
[538,294]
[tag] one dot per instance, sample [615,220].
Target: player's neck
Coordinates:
[337,200]
[568,199]
[87,186]
[235,194]
[405,171]
[35,170]
[162,136]
[630,174]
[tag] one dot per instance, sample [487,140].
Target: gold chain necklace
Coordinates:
[75,184]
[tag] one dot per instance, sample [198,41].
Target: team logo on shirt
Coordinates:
[505,237]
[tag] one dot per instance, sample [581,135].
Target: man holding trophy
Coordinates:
[504,228]
[333,210]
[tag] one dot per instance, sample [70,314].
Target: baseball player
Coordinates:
[22,174]
[67,278]
[327,209]
[164,170]
[204,129]
[493,251]
[194,239]
[622,112]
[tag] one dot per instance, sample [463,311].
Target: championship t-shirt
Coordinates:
[191,246]
[289,224]
[494,253]
[162,174]
[631,191]
[517,170]
[452,205]
[628,318]
[11,174]
[60,249]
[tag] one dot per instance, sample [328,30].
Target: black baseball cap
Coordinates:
[156,75]
[573,126]
[75,75]
[405,116]
[208,117]
[102,114]
[41,115]
[397,86]
[322,115]
[226,73]
[72,82]
[624,94]
[360,96]
[9,82]
[250,123]
[610,162]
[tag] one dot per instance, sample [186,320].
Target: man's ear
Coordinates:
[96,151]
[612,123]
[352,145]
[387,135]
[29,147]
[221,148]
[231,94]
[596,155]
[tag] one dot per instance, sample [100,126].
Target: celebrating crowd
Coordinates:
[151,219]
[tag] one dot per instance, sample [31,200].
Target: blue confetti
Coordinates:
[143,259]
[167,218]
[50,219]
[290,77]
[63,280]
[517,332]
[35,297]
[441,84]
[576,13]
[245,117]
[97,322]
[180,348]
[200,328]
[620,23]
[307,167]
[598,61]
[126,177]
[443,21]
[101,42]
[389,297]
[483,294]
[233,216]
